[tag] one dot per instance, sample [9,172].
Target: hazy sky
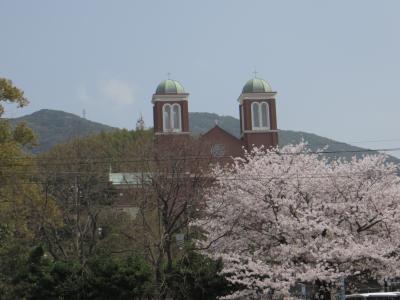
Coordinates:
[335,64]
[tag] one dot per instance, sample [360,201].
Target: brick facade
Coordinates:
[217,141]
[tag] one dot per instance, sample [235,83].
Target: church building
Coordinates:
[258,127]
[257,114]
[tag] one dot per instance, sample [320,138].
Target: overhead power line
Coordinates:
[108,160]
[35,180]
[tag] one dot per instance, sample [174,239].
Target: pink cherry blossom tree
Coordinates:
[285,216]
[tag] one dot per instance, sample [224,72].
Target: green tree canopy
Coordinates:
[21,198]
[10,93]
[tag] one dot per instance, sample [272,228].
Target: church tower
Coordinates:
[258,124]
[170,109]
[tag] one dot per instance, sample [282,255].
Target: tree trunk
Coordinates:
[168,251]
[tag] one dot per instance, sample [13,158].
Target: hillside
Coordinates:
[53,127]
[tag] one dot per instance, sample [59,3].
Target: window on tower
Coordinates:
[167,117]
[172,117]
[260,116]
[264,113]
[176,116]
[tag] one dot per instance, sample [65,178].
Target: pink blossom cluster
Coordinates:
[283,216]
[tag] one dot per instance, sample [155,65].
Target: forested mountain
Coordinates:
[54,127]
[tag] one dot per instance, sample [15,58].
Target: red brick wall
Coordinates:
[216,135]
[267,139]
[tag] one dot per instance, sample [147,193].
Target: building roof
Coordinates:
[257,85]
[123,179]
[219,128]
[170,86]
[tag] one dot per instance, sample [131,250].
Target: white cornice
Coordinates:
[169,97]
[172,133]
[256,96]
[261,131]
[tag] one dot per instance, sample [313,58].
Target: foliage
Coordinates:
[37,276]
[10,93]
[21,200]
[119,278]
[197,277]
[104,278]
[279,217]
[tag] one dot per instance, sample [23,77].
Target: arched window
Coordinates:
[260,115]
[176,116]
[265,115]
[172,117]
[167,117]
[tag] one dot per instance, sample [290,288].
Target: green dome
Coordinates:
[257,85]
[170,86]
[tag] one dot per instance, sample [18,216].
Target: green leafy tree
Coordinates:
[197,277]
[119,278]
[10,93]
[21,200]
[106,278]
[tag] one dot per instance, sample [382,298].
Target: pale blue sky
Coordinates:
[335,64]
